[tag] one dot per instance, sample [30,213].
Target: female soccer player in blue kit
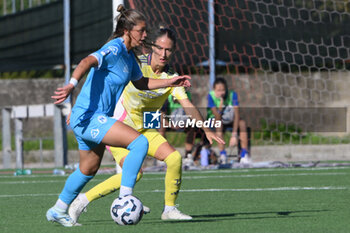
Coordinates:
[111,69]
[129,110]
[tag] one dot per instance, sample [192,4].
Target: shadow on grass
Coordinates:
[221,217]
[98,222]
[147,221]
[279,213]
[179,221]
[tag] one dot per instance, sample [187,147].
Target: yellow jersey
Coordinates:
[133,101]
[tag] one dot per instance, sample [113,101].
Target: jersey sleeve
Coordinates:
[235,99]
[107,55]
[179,93]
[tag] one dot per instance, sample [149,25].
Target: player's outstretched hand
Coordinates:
[62,93]
[212,136]
[180,81]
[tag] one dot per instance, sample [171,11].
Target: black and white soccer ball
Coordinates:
[127,210]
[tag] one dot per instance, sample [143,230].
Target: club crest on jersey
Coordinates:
[113,49]
[94,133]
[102,119]
[151,120]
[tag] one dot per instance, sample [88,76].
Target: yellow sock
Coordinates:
[108,186]
[172,177]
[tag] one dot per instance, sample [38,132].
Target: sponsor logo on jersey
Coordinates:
[102,119]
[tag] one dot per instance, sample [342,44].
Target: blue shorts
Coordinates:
[90,132]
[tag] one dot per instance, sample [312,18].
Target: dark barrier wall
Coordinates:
[33,39]
[280,36]
[92,25]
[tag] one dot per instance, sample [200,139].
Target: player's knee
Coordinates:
[141,143]
[174,160]
[88,169]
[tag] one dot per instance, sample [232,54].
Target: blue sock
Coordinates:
[243,152]
[223,152]
[133,161]
[74,184]
[204,157]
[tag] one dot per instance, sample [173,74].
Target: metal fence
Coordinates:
[15,6]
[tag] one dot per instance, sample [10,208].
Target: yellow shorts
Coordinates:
[154,139]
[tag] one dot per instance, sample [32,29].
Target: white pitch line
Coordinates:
[199,190]
[31,182]
[242,170]
[190,177]
[255,190]
[268,169]
[29,195]
[250,176]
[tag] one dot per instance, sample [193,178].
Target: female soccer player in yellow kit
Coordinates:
[129,110]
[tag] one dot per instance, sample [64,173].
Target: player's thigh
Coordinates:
[158,145]
[120,135]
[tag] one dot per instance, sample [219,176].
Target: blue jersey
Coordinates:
[106,82]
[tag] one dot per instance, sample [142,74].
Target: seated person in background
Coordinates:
[223,105]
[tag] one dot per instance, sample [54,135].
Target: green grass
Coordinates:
[244,200]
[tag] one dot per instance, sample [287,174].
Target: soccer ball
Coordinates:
[127,210]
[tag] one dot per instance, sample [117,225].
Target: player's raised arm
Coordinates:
[149,83]
[84,66]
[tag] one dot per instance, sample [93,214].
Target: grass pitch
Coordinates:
[277,200]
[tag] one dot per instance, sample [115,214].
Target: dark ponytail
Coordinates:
[126,19]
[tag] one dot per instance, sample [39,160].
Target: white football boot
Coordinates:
[76,208]
[175,214]
[246,159]
[55,215]
[146,210]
